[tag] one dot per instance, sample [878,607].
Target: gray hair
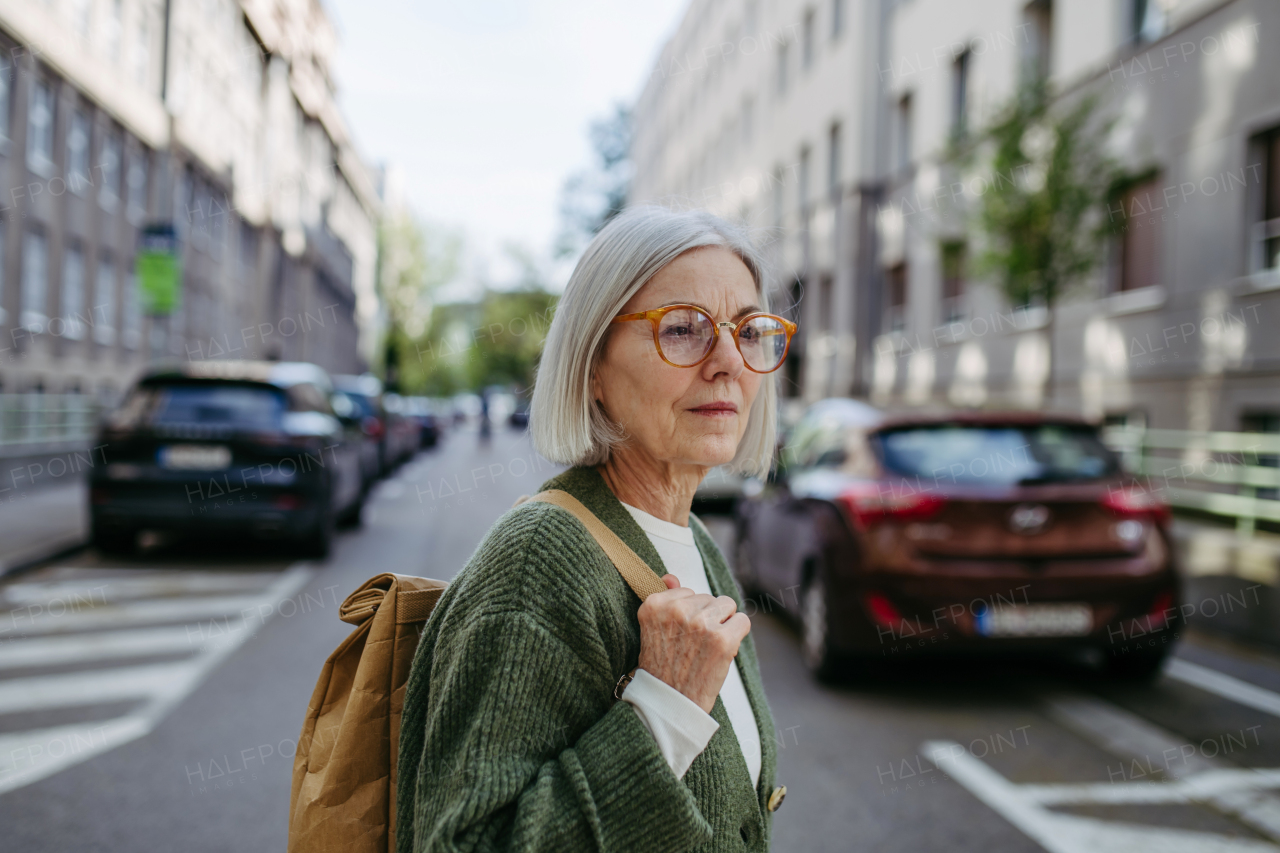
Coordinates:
[567,426]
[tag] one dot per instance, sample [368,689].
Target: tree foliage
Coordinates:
[414,261]
[1041,214]
[593,196]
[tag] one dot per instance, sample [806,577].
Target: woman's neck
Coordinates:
[662,489]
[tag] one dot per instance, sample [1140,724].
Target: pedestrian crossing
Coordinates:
[143,639]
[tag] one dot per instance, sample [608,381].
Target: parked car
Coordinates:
[239,447]
[422,411]
[403,430]
[359,418]
[959,534]
[395,437]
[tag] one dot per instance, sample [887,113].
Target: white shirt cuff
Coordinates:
[680,727]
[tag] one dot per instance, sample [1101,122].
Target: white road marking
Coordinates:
[108,645]
[1150,749]
[27,757]
[98,687]
[22,623]
[1226,686]
[87,592]
[1060,833]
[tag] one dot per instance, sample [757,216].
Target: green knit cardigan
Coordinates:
[511,738]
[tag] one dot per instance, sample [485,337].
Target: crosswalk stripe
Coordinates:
[1221,684]
[31,756]
[88,593]
[129,614]
[109,645]
[88,688]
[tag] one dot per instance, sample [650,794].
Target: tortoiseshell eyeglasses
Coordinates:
[685,336]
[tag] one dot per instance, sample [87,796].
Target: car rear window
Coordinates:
[996,455]
[205,403]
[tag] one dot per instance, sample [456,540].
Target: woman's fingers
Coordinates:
[671,581]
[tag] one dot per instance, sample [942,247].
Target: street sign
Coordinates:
[159,269]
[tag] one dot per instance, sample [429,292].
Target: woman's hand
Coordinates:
[689,640]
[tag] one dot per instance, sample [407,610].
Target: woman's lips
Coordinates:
[716,409]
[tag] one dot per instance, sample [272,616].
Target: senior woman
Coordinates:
[656,369]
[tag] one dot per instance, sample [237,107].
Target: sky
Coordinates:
[484,105]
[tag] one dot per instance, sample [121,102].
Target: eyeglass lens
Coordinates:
[686,335]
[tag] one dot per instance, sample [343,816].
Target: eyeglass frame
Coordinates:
[655,315]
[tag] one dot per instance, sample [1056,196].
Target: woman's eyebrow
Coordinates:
[750,309]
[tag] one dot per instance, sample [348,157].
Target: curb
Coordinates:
[33,557]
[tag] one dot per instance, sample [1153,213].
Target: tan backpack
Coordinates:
[344,773]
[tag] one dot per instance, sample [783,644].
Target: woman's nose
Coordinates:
[725,357]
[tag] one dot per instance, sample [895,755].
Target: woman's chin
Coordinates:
[713,451]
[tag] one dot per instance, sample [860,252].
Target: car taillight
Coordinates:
[372,427]
[881,610]
[99,496]
[286,501]
[870,506]
[1136,503]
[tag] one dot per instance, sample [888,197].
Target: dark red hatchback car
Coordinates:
[959,534]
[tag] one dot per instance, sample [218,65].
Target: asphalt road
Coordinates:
[154,703]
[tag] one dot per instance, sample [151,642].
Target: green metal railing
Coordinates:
[40,419]
[1231,474]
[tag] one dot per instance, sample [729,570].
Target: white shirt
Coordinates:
[681,728]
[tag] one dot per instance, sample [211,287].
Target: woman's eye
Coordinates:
[678,331]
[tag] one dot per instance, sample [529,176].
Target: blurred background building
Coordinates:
[836,128]
[214,117]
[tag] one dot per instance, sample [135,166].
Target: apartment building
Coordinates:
[215,119]
[755,111]
[1171,328]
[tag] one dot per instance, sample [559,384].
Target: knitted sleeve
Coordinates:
[523,746]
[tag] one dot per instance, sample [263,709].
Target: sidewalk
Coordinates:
[42,522]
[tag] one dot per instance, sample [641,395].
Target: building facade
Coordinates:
[214,118]
[1170,329]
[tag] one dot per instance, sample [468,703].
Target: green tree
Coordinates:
[414,261]
[1042,217]
[495,340]
[593,196]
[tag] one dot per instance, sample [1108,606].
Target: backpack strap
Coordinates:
[634,571]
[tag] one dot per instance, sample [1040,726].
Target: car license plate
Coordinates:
[195,457]
[1036,620]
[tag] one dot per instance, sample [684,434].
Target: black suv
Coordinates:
[221,447]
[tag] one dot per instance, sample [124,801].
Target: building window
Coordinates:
[6,85]
[960,93]
[1265,245]
[109,169]
[35,280]
[837,18]
[73,315]
[1038,46]
[136,181]
[1147,21]
[81,12]
[748,120]
[1140,240]
[902,134]
[802,196]
[779,179]
[104,302]
[833,161]
[809,45]
[40,129]
[781,79]
[895,302]
[112,29]
[142,51]
[132,335]
[954,255]
[78,178]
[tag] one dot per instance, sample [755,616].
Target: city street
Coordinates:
[154,703]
